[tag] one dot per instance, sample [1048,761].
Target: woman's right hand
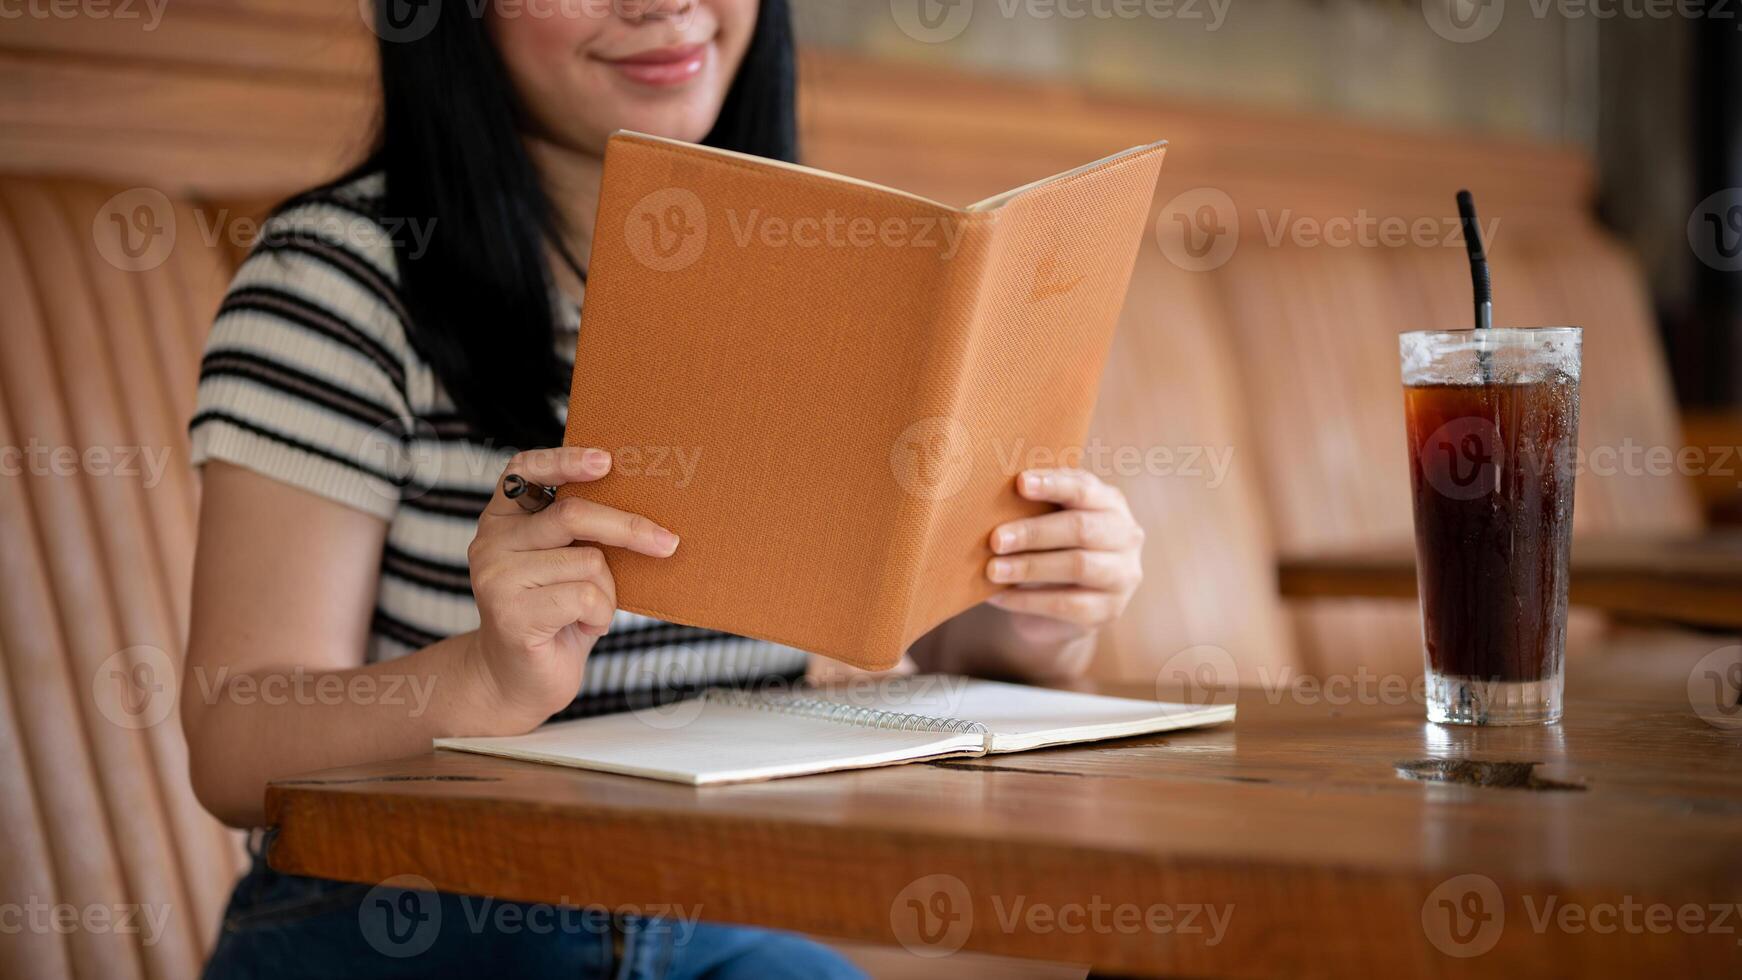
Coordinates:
[544,591]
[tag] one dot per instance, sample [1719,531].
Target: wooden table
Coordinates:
[1288,843]
[1696,581]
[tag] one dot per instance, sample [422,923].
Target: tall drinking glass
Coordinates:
[1493,420]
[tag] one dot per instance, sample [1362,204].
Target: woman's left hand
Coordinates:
[1078,565]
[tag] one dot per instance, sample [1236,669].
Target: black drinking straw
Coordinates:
[1484,289]
[1478,261]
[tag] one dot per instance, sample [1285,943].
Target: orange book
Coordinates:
[826,388]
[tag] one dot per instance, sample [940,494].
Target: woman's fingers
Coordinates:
[1105,570]
[527,573]
[1078,565]
[551,468]
[1076,489]
[575,519]
[1100,530]
[575,563]
[543,611]
[502,577]
[1084,607]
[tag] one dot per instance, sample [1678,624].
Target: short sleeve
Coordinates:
[304,374]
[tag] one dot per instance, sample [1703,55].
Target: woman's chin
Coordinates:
[683,112]
[690,120]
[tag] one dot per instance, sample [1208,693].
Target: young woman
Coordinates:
[391,340]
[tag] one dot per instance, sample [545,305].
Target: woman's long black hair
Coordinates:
[479,292]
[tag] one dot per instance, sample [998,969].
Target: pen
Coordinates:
[532,497]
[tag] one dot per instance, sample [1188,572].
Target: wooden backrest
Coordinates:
[101,324]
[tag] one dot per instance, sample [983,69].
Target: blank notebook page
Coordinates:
[700,742]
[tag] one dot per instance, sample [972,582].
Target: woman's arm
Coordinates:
[1072,571]
[284,589]
[274,684]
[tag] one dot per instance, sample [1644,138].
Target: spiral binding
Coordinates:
[848,714]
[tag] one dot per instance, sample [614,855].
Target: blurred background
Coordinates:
[1648,92]
[1251,409]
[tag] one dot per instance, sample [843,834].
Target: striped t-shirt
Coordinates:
[310,378]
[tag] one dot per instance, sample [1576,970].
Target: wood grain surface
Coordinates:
[1296,828]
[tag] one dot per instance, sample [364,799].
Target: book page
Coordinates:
[1020,717]
[700,743]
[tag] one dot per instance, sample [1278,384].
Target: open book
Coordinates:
[826,388]
[730,736]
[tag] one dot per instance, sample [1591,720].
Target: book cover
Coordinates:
[826,388]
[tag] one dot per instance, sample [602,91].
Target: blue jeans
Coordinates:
[282,926]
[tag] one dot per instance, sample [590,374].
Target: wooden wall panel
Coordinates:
[212,38]
[981,135]
[214,100]
[261,96]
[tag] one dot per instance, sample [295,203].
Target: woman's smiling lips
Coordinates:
[662,66]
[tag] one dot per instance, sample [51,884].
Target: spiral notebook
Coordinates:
[733,736]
